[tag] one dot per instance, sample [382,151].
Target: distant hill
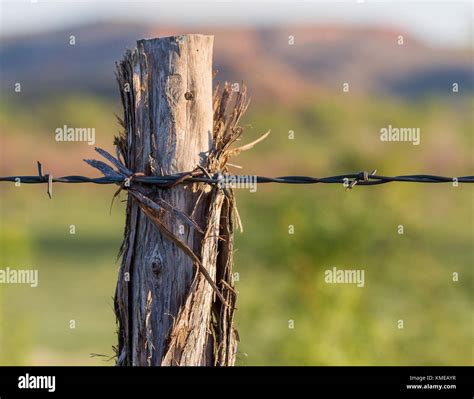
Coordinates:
[320,61]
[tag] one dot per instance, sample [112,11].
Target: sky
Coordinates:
[439,23]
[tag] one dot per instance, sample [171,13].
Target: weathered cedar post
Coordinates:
[167,311]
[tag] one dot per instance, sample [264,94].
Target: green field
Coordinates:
[281,275]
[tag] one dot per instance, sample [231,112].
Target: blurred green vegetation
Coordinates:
[281,275]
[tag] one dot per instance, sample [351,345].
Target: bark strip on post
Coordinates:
[167,311]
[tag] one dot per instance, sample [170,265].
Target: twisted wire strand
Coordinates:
[362,178]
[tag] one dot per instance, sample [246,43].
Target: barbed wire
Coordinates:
[221,180]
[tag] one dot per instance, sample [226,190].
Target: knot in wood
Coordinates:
[156,267]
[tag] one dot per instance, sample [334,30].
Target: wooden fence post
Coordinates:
[167,311]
